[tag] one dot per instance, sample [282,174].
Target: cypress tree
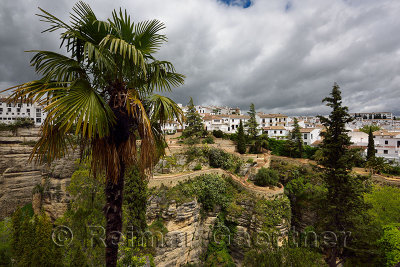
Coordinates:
[136,201]
[241,139]
[371,146]
[344,199]
[295,137]
[194,122]
[252,122]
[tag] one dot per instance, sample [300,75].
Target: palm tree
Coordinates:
[104,93]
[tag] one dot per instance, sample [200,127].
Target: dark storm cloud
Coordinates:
[283,56]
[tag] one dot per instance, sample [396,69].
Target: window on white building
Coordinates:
[8,109]
[386,142]
[305,136]
[385,152]
[38,120]
[280,132]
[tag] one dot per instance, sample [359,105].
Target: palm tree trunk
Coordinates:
[113,214]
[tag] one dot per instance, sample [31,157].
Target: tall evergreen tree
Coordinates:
[371,145]
[241,139]
[136,201]
[252,124]
[296,139]
[194,122]
[344,198]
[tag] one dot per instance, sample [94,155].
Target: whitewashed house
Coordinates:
[310,136]
[358,138]
[387,145]
[277,132]
[234,122]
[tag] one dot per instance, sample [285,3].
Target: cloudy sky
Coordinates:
[283,56]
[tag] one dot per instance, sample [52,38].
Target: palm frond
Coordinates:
[147,38]
[53,143]
[81,105]
[56,67]
[162,76]
[165,109]
[128,52]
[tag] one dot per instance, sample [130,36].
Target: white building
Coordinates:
[310,135]
[9,112]
[372,115]
[387,145]
[225,123]
[268,120]
[277,132]
[358,138]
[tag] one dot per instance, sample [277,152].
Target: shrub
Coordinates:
[266,177]
[197,167]
[250,160]
[309,152]
[219,159]
[218,133]
[208,140]
[212,191]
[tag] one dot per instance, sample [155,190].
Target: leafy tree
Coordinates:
[85,209]
[219,159]
[104,89]
[266,177]
[251,124]
[385,202]
[367,128]
[31,241]
[345,192]
[241,139]
[218,133]
[194,122]
[390,244]
[371,145]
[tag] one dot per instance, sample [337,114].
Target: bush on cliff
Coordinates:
[266,177]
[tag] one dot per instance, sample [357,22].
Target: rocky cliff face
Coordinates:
[187,232]
[19,178]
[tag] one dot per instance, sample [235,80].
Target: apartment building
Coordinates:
[268,120]
[372,115]
[9,112]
